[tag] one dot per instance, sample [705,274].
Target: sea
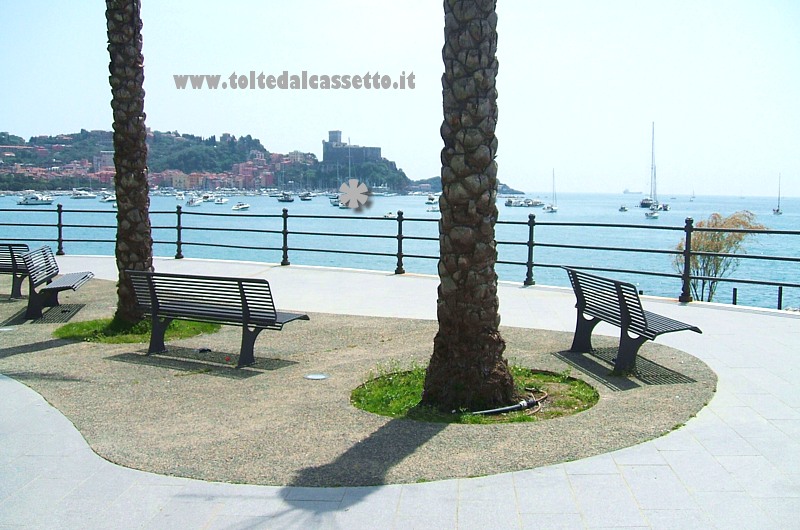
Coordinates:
[585,220]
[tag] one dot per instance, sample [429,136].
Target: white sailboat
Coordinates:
[778,211]
[553,206]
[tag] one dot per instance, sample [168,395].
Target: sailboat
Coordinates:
[651,202]
[553,206]
[777,211]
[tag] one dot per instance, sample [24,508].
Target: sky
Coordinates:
[581,83]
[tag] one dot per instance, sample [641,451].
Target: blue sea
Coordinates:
[210,225]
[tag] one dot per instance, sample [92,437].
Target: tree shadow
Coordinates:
[33,347]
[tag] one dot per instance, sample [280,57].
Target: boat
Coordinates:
[179,196]
[778,211]
[433,208]
[35,199]
[390,215]
[220,200]
[553,206]
[652,214]
[240,206]
[334,198]
[623,208]
[306,196]
[651,201]
[286,197]
[82,194]
[194,201]
[431,200]
[109,197]
[343,206]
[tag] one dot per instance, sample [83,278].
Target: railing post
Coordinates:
[529,263]
[735,297]
[780,297]
[399,269]
[60,251]
[285,215]
[686,277]
[179,228]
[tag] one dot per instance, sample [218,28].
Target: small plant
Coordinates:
[115,331]
[718,248]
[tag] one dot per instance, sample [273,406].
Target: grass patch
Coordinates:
[397,393]
[112,331]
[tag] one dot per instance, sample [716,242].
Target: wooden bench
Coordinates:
[11,263]
[618,303]
[42,271]
[244,302]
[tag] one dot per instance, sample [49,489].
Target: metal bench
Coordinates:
[617,303]
[244,302]
[42,271]
[11,263]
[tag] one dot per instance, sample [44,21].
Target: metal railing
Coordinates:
[287,242]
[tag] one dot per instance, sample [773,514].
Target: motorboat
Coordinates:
[305,196]
[35,199]
[623,208]
[82,194]
[194,201]
[221,200]
[652,214]
[431,199]
[286,197]
[240,206]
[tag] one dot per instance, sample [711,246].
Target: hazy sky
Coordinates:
[580,83]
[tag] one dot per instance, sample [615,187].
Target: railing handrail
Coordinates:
[530,242]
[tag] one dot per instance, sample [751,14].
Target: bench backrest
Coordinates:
[614,301]
[209,298]
[10,257]
[41,265]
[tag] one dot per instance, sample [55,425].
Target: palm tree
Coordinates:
[467,369]
[134,248]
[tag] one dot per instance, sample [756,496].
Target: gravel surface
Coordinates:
[190,413]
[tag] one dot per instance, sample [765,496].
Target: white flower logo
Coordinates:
[353,193]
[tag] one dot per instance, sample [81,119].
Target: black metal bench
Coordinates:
[42,271]
[617,303]
[11,263]
[244,302]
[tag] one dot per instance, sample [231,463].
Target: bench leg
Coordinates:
[159,326]
[40,300]
[582,340]
[16,286]
[35,305]
[626,356]
[246,355]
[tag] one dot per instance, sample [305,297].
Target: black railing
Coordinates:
[285,241]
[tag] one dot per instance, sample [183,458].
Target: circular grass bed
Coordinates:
[397,394]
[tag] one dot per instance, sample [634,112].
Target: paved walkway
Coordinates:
[736,465]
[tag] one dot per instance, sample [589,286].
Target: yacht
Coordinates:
[82,194]
[240,206]
[286,197]
[34,199]
[221,200]
[306,196]
[194,201]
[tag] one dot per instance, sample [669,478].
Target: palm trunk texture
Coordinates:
[467,369]
[134,248]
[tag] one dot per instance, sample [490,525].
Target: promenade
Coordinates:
[735,465]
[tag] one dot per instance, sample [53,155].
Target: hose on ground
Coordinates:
[522,405]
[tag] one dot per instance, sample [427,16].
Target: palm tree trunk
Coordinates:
[467,369]
[134,248]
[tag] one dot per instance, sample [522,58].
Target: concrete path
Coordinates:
[736,465]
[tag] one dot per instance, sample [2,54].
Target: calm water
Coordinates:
[580,208]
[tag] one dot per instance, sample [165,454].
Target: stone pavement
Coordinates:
[735,465]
